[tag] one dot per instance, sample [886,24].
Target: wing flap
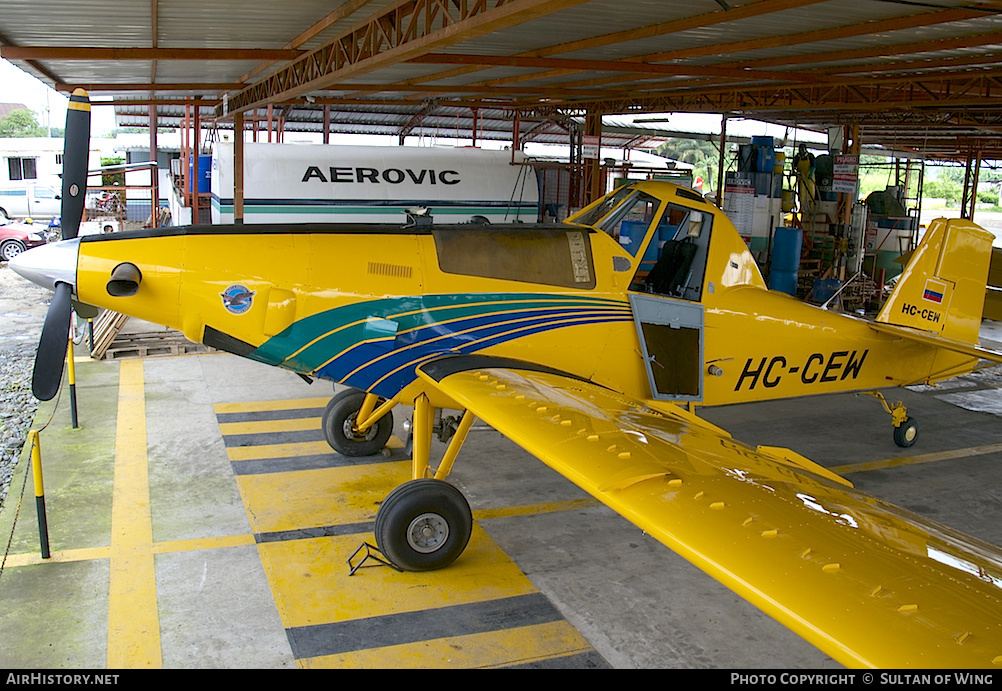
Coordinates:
[863,580]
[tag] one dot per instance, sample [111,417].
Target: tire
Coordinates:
[423,525]
[10,249]
[330,404]
[907,434]
[339,418]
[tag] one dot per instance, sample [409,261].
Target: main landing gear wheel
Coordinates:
[906,434]
[339,419]
[423,525]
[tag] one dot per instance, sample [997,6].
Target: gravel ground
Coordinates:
[22,311]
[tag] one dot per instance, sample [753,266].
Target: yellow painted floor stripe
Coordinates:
[495,649]
[199,543]
[171,546]
[311,583]
[532,509]
[319,496]
[133,619]
[60,557]
[915,460]
[94,553]
[254,453]
[259,406]
[267,426]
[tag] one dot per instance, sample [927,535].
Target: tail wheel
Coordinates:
[338,424]
[906,434]
[423,525]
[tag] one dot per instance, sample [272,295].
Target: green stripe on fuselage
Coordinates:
[310,342]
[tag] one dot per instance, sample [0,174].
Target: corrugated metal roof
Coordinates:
[922,75]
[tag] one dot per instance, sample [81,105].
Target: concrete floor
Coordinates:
[198,520]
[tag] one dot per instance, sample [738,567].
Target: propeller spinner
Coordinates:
[48,373]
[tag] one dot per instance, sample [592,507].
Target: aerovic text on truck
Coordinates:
[302,183]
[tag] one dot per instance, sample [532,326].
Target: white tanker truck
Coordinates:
[302,183]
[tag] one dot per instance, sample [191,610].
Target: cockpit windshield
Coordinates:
[593,216]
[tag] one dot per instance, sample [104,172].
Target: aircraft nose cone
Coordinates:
[49,264]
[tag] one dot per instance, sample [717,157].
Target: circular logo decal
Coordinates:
[74,190]
[237,299]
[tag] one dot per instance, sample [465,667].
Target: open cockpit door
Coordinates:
[671,337]
[669,317]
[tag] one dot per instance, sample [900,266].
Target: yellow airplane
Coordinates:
[590,344]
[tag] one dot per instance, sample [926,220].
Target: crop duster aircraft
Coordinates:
[589,344]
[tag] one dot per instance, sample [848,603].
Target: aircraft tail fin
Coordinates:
[942,289]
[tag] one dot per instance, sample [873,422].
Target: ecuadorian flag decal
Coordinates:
[377,344]
[934,291]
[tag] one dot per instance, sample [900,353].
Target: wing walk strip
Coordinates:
[310,508]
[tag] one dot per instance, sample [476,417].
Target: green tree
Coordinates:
[943,182]
[21,123]
[701,155]
[109,179]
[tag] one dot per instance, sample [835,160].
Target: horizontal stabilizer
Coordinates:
[926,338]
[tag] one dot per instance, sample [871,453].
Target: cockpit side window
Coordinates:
[674,261]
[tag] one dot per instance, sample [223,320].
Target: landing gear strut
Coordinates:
[425,524]
[905,428]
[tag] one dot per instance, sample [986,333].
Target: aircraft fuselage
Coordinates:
[365,305]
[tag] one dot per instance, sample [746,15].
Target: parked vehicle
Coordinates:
[17,237]
[30,201]
[293,183]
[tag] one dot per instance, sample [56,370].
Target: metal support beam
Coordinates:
[594,180]
[196,149]
[154,172]
[238,168]
[720,160]
[403,31]
[99,53]
[972,172]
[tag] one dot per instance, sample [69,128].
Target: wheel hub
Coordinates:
[351,432]
[427,533]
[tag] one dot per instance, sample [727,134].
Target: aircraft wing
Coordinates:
[929,338]
[865,581]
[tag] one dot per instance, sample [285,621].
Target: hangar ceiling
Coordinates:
[913,75]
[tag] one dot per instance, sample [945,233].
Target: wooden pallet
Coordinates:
[151,345]
[111,344]
[107,325]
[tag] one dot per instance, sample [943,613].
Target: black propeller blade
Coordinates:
[76,143]
[52,346]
